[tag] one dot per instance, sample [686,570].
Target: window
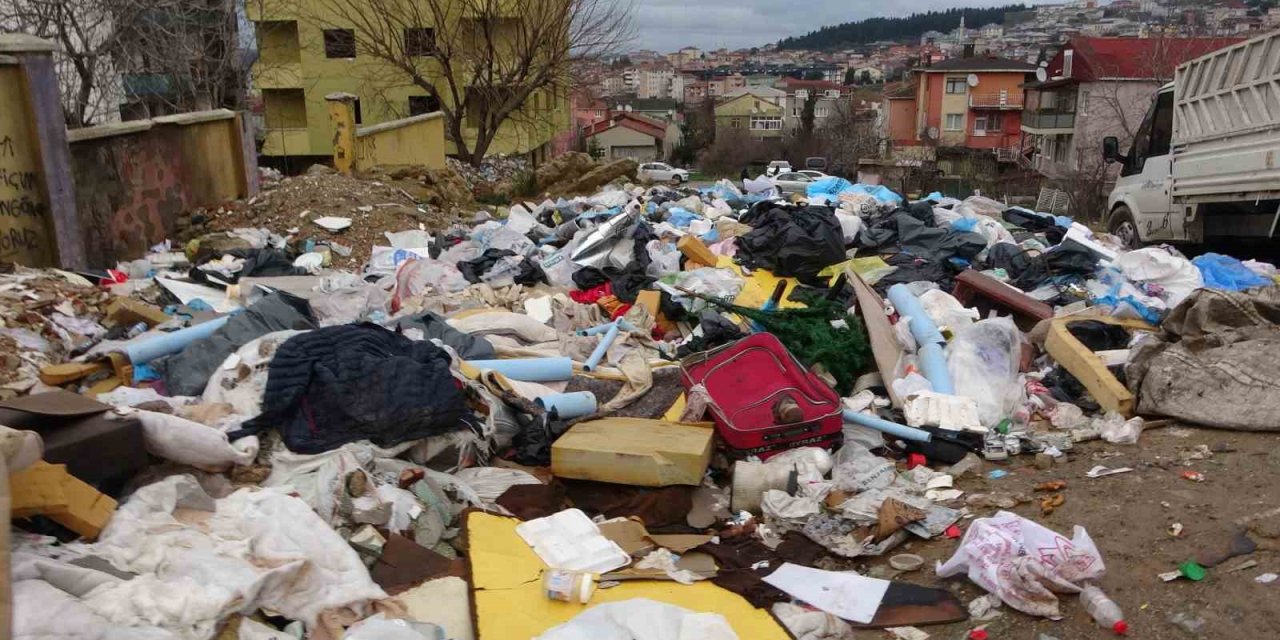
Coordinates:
[278,42]
[285,108]
[985,123]
[359,115]
[339,43]
[802,94]
[956,85]
[819,112]
[795,112]
[419,42]
[766,123]
[833,93]
[954,122]
[419,105]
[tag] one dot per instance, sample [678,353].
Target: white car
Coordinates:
[792,182]
[814,173]
[662,172]
[777,167]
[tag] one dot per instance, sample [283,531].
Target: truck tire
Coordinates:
[1122,225]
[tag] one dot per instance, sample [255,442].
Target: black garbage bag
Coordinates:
[260,263]
[474,268]
[1038,222]
[353,382]
[435,327]
[936,243]
[1098,335]
[791,241]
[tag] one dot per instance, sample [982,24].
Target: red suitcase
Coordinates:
[746,379]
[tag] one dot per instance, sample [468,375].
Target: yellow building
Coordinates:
[305,56]
[759,117]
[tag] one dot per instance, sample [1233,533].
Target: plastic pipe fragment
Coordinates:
[933,362]
[892,428]
[568,405]
[604,328]
[162,345]
[602,347]
[529,369]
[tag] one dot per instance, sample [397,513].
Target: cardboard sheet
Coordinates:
[509,601]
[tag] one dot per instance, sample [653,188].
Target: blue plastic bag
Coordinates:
[829,186]
[964,224]
[1227,273]
[681,217]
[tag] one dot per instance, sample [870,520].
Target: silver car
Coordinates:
[792,182]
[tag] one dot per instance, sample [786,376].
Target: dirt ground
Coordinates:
[1128,516]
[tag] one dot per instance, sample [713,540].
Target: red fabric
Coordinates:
[592,296]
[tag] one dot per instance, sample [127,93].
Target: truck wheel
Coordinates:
[1122,226]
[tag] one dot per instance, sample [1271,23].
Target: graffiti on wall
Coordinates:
[24,212]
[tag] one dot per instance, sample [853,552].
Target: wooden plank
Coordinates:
[48,490]
[634,451]
[695,249]
[1090,368]
[884,346]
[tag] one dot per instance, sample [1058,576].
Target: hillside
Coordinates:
[910,27]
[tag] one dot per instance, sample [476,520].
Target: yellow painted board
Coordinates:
[759,287]
[38,490]
[510,604]
[633,451]
[1088,367]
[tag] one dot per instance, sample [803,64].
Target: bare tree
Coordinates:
[850,135]
[490,65]
[85,34]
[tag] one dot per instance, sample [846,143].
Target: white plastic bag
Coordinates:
[664,258]
[857,469]
[1153,265]
[1115,429]
[1023,563]
[642,619]
[983,360]
[380,627]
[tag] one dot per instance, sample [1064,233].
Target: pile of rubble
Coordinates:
[496,175]
[636,412]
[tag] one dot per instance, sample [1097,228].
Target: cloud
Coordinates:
[667,25]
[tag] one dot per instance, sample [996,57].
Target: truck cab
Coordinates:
[1140,206]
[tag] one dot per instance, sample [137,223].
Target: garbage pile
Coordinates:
[638,412]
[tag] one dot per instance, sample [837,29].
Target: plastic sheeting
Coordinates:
[983,361]
[1227,273]
[1176,276]
[642,619]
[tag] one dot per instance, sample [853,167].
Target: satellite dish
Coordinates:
[972,79]
[933,132]
[1041,74]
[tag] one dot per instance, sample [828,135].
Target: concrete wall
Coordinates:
[417,141]
[136,180]
[25,235]
[902,122]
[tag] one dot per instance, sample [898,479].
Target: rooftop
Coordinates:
[980,63]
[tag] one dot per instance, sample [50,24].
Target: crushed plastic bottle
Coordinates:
[1103,610]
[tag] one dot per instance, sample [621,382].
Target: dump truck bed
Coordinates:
[1226,124]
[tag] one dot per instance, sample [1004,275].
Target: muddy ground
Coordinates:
[1129,516]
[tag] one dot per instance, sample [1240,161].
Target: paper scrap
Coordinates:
[845,595]
[1100,471]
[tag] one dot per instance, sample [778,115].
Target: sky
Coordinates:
[667,25]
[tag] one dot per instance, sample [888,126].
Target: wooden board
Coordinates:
[1088,367]
[884,346]
[695,249]
[634,451]
[48,490]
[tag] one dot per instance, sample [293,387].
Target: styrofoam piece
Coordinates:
[954,413]
[570,540]
[333,223]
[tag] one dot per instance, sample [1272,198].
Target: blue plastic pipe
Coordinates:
[165,344]
[892,428]
[602,347]
[568,405]
[529,369]
[604,328]
[933,362]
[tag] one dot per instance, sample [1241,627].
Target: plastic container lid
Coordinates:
[1121,627]
[906,562]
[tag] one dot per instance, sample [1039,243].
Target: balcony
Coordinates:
[1048,122]
[1011,100]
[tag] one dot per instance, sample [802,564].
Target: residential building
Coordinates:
[828,97]
[1098,87]
[695,92]
[676,85]
[630,135]
[968,102]
[653,83]
[300,63]
[770,94]
[664,109]
[758,117]
[899,119]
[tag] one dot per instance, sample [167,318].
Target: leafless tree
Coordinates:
[85,34]
[490,65]
[849,135]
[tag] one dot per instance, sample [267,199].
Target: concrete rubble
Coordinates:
[612,410]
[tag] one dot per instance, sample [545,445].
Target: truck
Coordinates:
[1205,163]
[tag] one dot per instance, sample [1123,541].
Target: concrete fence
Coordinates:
[89,197]
[414,141]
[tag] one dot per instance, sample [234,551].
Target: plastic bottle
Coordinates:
[1103,610]
[568,586]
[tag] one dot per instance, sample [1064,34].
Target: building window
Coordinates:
[765,123]
[795,112]
[278,42]
[285,108]
[954,122]
[419,42]
[819,112]
[359,115]
[956,85]
[833,93]
[339,43]
[419,105]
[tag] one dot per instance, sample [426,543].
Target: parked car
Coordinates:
[817,163]
[812,173]
[776,167]
[662,172]
[792,182]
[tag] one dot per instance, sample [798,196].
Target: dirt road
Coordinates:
[1129,516]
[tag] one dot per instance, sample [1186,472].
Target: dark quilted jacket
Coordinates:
[355,382]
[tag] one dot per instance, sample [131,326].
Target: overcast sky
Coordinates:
[667,25]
